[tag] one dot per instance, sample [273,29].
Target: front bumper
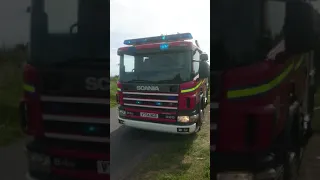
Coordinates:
[49,160]
[167,128]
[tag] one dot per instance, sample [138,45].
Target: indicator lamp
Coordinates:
[164,46]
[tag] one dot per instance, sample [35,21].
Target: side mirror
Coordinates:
[204,57]
[204,70]
[299,32]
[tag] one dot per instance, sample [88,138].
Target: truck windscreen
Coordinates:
[63,30]
[171,67]
[236,32]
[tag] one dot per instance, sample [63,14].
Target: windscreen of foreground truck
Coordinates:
[65,107]
[64,30]
[163,84]
[161,67]
[243,31]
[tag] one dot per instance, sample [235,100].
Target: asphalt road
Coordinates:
[129,147]
[13,163]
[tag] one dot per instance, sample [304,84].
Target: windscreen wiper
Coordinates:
[139,81]
[81,60]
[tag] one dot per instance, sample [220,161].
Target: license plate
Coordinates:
[103,167]
[150,115]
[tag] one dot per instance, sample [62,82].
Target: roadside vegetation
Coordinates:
[10,93]
[183,158]
[113,91]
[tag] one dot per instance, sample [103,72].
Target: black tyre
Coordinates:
[294,150]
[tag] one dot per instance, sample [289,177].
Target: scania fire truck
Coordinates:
[163,84]
[65,107]
[262,87]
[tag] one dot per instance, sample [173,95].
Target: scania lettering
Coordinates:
[65,107]
[93,83]
[262,92]
[163,84]
[147,88]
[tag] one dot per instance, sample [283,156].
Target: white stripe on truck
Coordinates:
[75,99]
[49,117]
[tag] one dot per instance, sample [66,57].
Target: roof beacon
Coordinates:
[163,38]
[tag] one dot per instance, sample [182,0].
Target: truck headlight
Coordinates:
[122,113]
[235,176]
[185,119]
[39,162]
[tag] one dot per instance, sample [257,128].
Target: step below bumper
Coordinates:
[168,128]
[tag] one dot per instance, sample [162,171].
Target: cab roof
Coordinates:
[162,43]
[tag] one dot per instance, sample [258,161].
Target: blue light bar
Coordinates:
[155,39]
[164,46]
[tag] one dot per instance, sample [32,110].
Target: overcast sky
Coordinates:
[14,21]
[143,18]
[129,19]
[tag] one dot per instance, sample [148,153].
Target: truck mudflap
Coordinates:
[58,162]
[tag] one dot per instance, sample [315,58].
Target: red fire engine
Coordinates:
[262,89]
[66,99]
[163,84]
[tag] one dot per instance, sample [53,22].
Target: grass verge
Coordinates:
[10,130]
[113,91]
[10,94]
[182,158]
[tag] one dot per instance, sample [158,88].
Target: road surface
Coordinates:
[13,163]
[129,147]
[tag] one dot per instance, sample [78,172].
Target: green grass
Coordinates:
[10,94]
[113,91]
[182,158]
[9,125]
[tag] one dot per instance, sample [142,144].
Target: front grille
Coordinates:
[169,105]
[214,116]
[76,128]
[151,101]
[75,118]
[215,94]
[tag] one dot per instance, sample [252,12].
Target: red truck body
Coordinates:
[261,98]
[167,98]
[65,107]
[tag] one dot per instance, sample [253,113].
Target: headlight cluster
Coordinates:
[186,119]
[39,162]
[122,112]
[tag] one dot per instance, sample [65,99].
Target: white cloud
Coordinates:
[142,18]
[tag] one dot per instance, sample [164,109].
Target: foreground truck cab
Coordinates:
[66,91]
[163,84]
[262,89]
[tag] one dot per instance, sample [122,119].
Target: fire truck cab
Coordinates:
[163,84]
[63,109]
[263,88]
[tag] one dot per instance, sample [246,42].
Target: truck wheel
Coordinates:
[294,151]
[290,167]
[200,120]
